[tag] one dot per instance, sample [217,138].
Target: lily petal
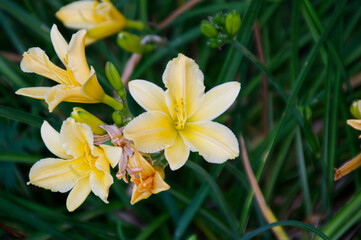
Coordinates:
[112,153]
[56,174]
[76,137]
[78,15]
[100,180]
[138,161]
[78,195]
[159,184]
[355,123]
[36,61]
[151,131]
[77,63]
[214,141]
[177,154]
[51,138]
[184,81]
[33,92]
[216,101]
[59,43]
[105,29]
[92,89]
[148,95]
[67,93]
[137,196]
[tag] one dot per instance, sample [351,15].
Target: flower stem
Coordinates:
[116,105]
[135,24]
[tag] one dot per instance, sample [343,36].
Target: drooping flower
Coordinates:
[179,119]
[77,83]
[101,19]
[147,179]
[81,166]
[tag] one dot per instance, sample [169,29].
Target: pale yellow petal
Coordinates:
[177,154]
[214,141]
[184,81]
[159,185]
[78,195]
[33,92]
[92,89]
[216,101]
[59,43]
[137,196]
[148,95]
[355,123]
[65,93]
[112,153]
[151,131]
[52,141]
[78,15]
[100,179]
[77,63]
[54,174]
[76,138]
[36,61]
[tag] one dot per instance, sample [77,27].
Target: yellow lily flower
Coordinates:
[179,119]
[81,166]
[101,19]
[75,82]
[147,179]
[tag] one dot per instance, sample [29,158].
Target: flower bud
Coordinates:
[212,42]
[83,116]
[232,23]
[208,29]
[132,43]
[355,109]
[118,117]
[114,79]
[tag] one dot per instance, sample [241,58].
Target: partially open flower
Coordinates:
[100,19]
[76,78]
[81,166]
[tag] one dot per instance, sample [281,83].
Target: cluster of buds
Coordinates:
[221,28]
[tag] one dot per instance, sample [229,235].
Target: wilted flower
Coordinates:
[179,119]
[100,19]
[77,83]
[81,166]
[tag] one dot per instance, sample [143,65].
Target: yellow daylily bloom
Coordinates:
[178,120]
[81,166]
[75,82]
[101,19]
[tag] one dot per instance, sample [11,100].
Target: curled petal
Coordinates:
[138,162]
[76,138]
[159,185]
[33,92]
[216,101]
[184,81]
[77,63]
[177,154]
[59,43]
[148,95]
[214,141]
[52,140]
[78,195]
[151,131]
[36,61]
[91,89]
[137,196]
[57,175]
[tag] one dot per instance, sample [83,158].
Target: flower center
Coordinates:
[181,114]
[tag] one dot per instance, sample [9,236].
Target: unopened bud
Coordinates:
[208,29]
[212,42]
[132,43]
[83,116]
[355,109]
[118,117]
[232,23]
[114,79]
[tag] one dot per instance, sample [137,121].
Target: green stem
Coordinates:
[116,105]
[135,24]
